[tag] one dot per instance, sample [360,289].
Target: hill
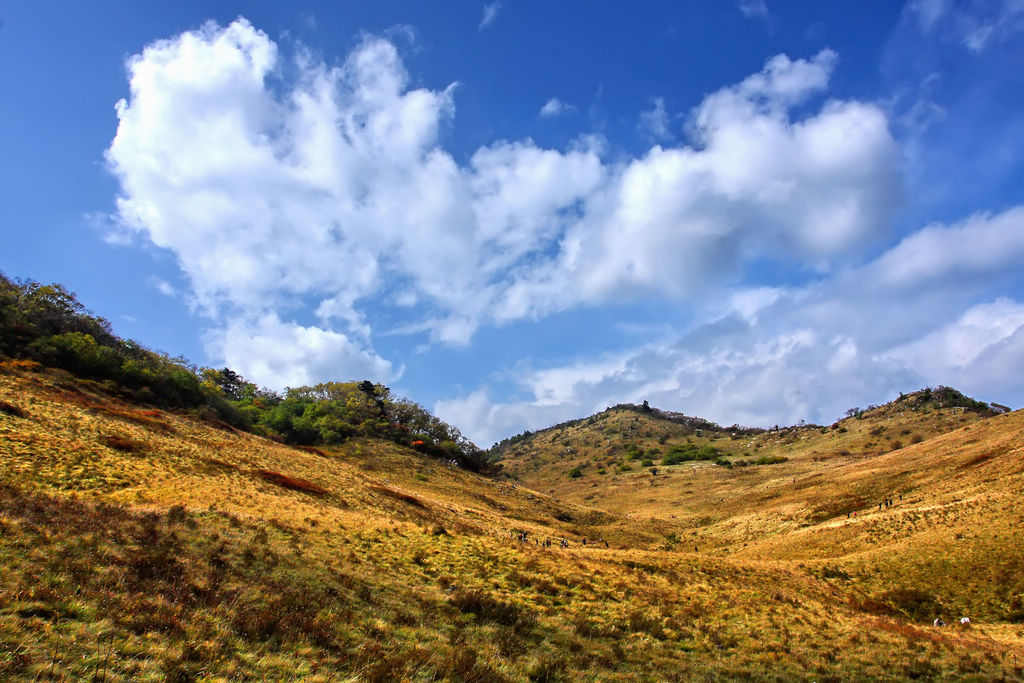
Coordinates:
[146,544]
[161,522]
[600,459]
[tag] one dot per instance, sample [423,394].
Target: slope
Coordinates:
[148,545]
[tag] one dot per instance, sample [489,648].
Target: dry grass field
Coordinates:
[146,545]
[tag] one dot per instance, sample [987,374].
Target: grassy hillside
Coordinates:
[141,544]
[681,461]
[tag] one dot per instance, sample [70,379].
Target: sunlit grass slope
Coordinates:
[146,545]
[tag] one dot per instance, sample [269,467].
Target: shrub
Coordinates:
[689,452]
[769,460]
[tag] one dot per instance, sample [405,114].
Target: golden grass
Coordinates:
[206,553]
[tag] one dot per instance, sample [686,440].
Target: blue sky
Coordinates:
[520,213]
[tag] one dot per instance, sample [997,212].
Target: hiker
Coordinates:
[606,544]
[584,541]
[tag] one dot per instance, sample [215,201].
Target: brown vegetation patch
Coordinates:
[837,508]
[310,449]
[398,495]
[219,465]
[141,418]
[916,604]
[12,409]
[488,608]
[293,483]
[15,365]
[122,443]
[978,459]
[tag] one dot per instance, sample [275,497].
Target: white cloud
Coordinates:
[284,354]
[163,286]
[905,320]
[655,122]
[329,185]
[554,107]
[981,246]
[959,344]
[491,10]
[681,221]
[973,25]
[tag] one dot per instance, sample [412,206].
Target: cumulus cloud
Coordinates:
[756,183]
[904,320]
[978,248]
[284,184]
[286,354]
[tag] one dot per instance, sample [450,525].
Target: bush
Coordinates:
[575,473]
[769,460]
[689,452]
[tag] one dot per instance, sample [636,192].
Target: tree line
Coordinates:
[49,325]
